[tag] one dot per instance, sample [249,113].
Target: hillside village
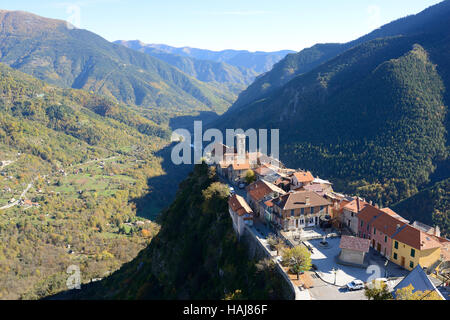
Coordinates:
[269,199]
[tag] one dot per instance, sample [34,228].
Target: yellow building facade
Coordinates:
[409,257]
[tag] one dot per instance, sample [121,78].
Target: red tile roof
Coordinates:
[387,224]
[355,243]
[415,238]
[394,214]
[369,213]
[353,206]
[259,189]
[239,205]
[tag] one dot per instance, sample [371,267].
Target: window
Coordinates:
[362,223]
[396,245]
[321,208]
[312,210]
[411,264]
[395,256]
[352,214]
[385,239]
[302,221]
[413,253]
[374,231]
[367,227]
[303,210]
[292,213]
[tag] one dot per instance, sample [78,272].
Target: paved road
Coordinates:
[324,291]
[22,196]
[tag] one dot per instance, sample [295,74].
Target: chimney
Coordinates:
[357,205]
[437,231]
[307,200]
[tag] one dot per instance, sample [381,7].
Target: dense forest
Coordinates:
[196,233]
[434,199]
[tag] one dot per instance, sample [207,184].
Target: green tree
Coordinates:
[250,176]
[276,243]
[298,259]
[377,291]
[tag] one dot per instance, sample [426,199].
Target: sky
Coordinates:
[264,25]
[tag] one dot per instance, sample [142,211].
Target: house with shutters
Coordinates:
[298,210]
[300,179]
[411,247]
[384,226]
[240,212]
[350,211]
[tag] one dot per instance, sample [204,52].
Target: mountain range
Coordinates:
[259,61]
[53,51]
[203,70]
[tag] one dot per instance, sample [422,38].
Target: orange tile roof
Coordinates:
[263,170]
[303,176]
[353,206]
[415,238]
[259,189]
[241,166]
[239,205]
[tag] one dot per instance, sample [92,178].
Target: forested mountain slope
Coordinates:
[80,160]
[307,59]
[430,206]
[196,254]
[54,51]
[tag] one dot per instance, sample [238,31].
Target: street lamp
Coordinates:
[335,274]
[385,267]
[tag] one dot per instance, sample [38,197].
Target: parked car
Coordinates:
[231,190]
[355,285]
[381,280]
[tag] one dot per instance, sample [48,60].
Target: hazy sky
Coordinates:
[266,25]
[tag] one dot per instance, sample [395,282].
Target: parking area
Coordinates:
[332,272]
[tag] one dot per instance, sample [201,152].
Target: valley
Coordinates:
[87,179]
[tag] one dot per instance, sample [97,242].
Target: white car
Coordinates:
[231,190]
[355,285]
